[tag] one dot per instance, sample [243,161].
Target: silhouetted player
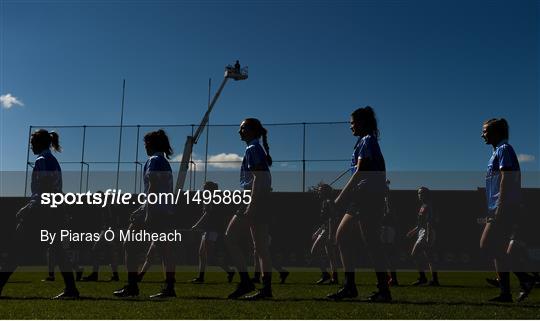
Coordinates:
[363,197]
[503,193]
[324,237]
[211,223]
[111,249]
[388,236]
[424,231]
[157,218]
[46,178]
[255,176]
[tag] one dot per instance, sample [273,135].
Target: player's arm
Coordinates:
[412,231]
[351,184]
[507,177]
[259,176]
[196,225]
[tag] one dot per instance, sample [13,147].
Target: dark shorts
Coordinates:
[262,215]
[367,205]
[160,222]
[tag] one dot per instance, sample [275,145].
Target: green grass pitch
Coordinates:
[463,295]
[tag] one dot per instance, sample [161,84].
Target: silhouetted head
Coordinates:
[250,129]
[494,131]
[42,140]
[363,122]
[157,142]
[210,186]
[424,194]
[323,190]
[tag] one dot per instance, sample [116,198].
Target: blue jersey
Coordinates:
[504,158]
[367,149]
[159,168]
[254,158]
[46,175]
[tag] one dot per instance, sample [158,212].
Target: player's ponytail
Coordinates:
[264,135]
[259,131]
[55,141]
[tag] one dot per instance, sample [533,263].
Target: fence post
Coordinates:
[304,158]
[82,158]
[27,160]
[120,138]
[137,157]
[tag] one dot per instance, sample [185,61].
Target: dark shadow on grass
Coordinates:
[277,300]
[352,301]
[86,298]
[455,286]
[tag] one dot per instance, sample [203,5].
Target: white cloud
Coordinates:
[231,160]
[199,163]
[222,161]
[525,158]
[7,101]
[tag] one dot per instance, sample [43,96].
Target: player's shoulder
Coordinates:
[504,148]
[254,144]
[254,148]
[46,161]
[158,162]
[507,152]
[368,140]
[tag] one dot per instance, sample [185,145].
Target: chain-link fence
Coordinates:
[101,157]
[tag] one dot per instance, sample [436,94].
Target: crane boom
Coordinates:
[230,72]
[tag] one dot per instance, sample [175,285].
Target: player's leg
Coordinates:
[370,231]
[430,257]
[419,257]
[319,251]
[50,266]
[331,252]
[235,234]
[276,264]
[219,244]
[131,288]
[96,249]
[147,262]
[344,239]
[256,268]
[203,257]
[260,236]
[169,268]
[113,250]
[493,244]
[66,269]
[11,261]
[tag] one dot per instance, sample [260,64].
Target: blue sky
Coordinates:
[433,71]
